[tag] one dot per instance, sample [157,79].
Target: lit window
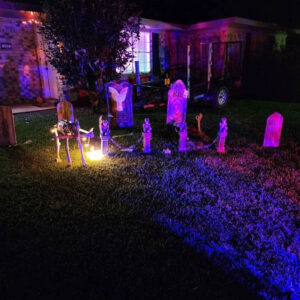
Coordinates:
[141,51]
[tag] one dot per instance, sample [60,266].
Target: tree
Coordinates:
[88,40]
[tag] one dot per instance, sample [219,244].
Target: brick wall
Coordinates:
[19,71]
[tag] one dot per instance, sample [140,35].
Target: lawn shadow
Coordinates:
[109,252]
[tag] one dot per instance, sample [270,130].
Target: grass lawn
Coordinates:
[134,226]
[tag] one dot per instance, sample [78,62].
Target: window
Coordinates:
[142,53]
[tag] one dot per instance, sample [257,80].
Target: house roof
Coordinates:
[230,21]
[159,25]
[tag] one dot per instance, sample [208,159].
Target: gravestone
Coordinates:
[177,103]
[119,97]
[7,127]
[273,130]
[181,128]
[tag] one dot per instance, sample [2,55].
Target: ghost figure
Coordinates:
[118,97]
[222,135]
[147,126]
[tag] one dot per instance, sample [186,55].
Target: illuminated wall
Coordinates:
[25,73]
[19,70]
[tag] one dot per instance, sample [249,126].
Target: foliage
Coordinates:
[107,229]
[88,39]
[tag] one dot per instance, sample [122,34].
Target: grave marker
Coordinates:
[273,130]
[177,103]
[119,97]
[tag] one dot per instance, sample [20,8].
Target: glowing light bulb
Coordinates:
[95,155]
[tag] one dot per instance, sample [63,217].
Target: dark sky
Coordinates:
[283,12]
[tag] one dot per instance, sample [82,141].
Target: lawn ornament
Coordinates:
[147,135]
[177,103]
[104,135]
[167,151]
[199,119]
[119,101]
[222,135]
[181,128]
[273,130]
[67,129]
[7,127]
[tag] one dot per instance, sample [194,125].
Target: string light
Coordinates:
[31,19]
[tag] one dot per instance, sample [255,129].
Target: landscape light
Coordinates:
[95,155]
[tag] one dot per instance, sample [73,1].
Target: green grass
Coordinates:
[74,233]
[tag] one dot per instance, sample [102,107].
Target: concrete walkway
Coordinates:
[24,108]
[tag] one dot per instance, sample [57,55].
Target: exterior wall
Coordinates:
[50,79]
[173,43]
[19,70]
[243,39]
[25,73]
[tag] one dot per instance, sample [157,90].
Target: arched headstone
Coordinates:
[273,130]
[177,103]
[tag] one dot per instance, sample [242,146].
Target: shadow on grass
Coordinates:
[65,236]
[112,253]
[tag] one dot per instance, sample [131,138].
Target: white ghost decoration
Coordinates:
[118,97]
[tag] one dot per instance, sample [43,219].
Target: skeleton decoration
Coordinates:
[104,135]
[222,135]
[119,100]
[67,129]
[199,119]
[147,135]
[182,131]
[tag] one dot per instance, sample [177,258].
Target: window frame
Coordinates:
[136,55]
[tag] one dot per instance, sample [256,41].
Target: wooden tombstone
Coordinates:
[119,97]
[7,127]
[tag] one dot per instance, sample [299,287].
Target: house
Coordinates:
[25,73]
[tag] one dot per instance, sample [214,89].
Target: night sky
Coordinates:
[282,12]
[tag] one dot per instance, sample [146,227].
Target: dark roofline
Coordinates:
[8,5]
